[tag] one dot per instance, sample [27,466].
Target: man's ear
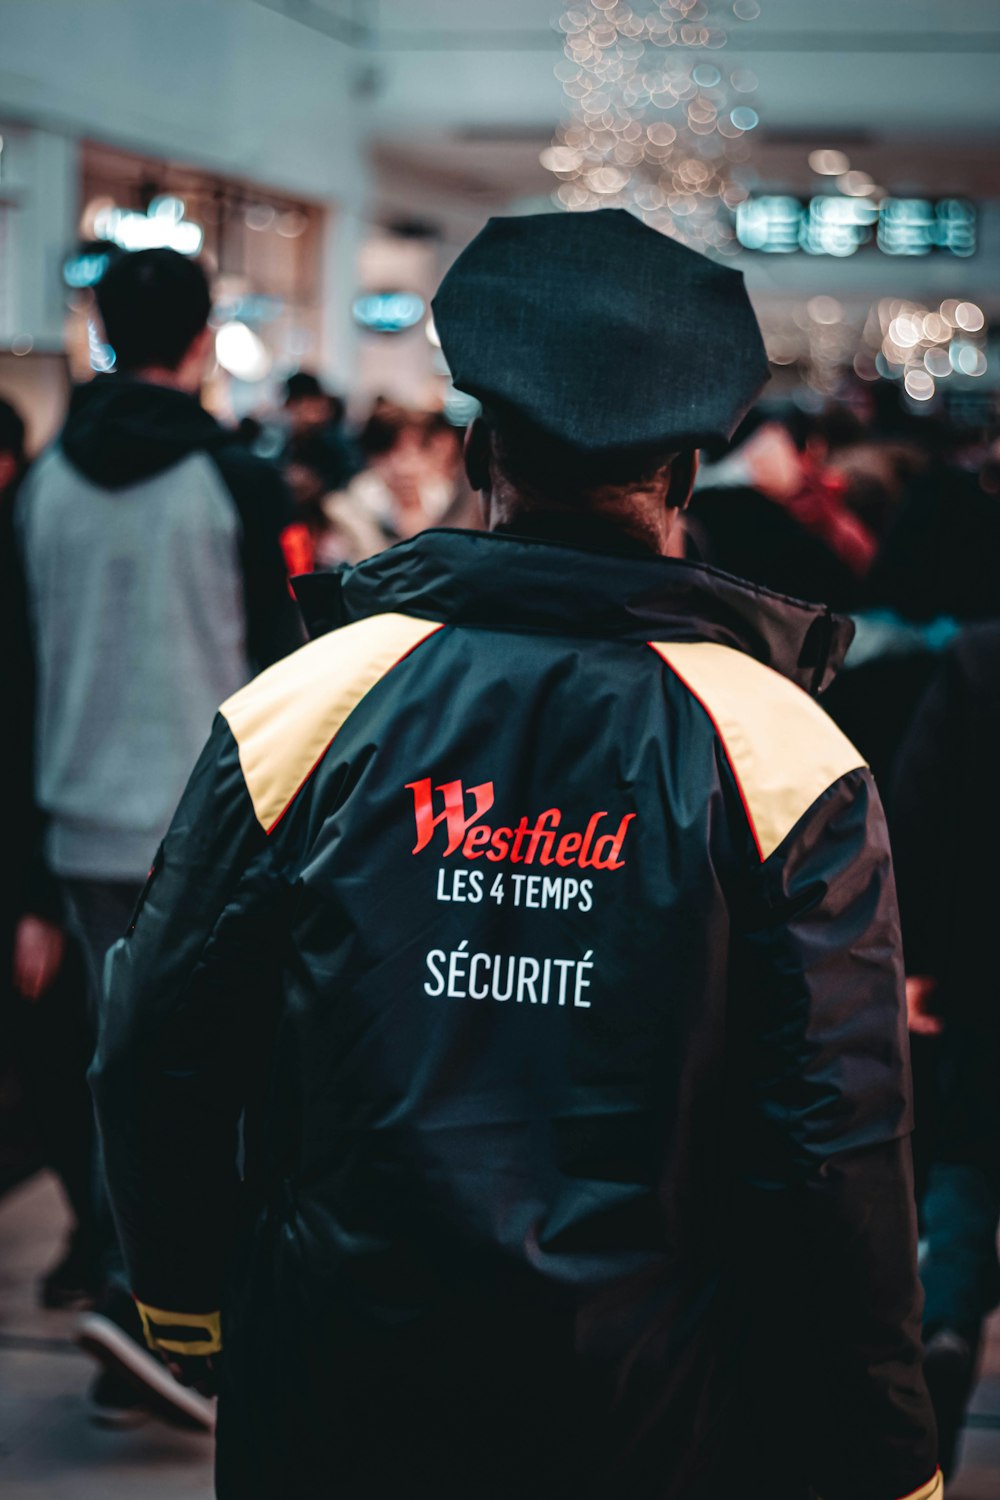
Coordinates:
[194,363]
[477,455]
[203,345]
[683,472]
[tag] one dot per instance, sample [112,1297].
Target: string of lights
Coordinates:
[656,120]
[891,339]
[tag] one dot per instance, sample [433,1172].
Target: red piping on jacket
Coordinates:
[921,1487]
[433,626]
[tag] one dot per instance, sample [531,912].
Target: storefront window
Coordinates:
[261,248]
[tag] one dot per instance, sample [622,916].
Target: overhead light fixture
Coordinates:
[240,351]
[163,227]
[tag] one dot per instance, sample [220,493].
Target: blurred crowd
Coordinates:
[859,502]
[356,488]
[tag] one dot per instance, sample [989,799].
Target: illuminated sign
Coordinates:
[163,227]
[389,312]
[834,224]
[85,269]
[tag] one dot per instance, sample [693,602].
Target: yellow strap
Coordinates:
[210,1323]
[932,1490]
[284,721]
[783,749]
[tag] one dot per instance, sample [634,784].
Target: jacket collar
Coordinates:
[510,582]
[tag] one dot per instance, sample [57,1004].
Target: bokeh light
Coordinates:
[653,124]
[919,385]
[829,163]
[969,317]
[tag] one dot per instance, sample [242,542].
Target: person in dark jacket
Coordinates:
[773,511]
[540,929]
[320,454]
[44,1036]
[155,587]
[945,818]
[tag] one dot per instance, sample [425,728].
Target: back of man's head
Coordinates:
[524,473]
[154,304]
[545,469]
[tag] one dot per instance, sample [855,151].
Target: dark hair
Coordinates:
[386,425]
[11,430]
[546,466]
[248,431]
[154,304]
[302,384]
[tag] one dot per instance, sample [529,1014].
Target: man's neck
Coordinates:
[579,529]
[644,525]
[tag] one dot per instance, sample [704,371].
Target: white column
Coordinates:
[41,180]
[343,237]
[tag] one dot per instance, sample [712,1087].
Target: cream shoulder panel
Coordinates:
[783,749]
[285,719]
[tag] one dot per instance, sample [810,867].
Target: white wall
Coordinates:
[39,181]
[217,83]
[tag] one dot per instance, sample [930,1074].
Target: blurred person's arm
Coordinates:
[274,625]
[189,992]
[39,938]
[826,1154]
[39,950]
[921,1015]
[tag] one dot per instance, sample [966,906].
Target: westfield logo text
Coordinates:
[460,813]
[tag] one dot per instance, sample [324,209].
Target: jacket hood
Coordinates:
[119,431]
[522,583]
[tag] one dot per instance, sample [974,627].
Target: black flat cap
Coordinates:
[601,331]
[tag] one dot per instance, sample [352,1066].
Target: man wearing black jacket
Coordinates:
[155,587]
[540,927]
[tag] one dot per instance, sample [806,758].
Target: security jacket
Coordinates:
[509,1045]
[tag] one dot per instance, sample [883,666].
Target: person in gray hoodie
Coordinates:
[155,587]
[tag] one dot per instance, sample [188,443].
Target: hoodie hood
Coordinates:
[503,581]
[120,431]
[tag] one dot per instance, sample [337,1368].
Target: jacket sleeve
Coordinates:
[189,992]
[826,1159]
[274,626]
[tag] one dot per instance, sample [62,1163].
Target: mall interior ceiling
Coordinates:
[426,118]
[456,97]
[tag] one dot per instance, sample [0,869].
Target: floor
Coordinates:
[50,1449]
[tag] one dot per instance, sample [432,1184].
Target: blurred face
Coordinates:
[309,414]
[305,484]
[403,464]
[443,453]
